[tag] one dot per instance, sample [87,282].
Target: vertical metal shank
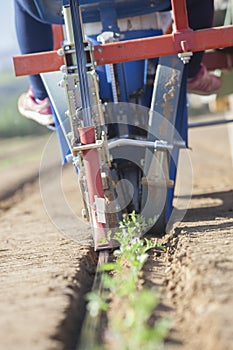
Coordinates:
[95,186]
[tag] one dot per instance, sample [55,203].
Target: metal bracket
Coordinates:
[81,148]
[185,56]
[100,209]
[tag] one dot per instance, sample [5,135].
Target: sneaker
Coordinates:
[40,111]
[203,83]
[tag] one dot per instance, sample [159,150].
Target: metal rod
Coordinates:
[158,144]
[212,123]
[81,62]
[130,142]
[68,25]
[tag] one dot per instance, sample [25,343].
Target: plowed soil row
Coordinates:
[195,274]
[44,273]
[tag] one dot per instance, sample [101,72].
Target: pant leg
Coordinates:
[200,15]
[33,36]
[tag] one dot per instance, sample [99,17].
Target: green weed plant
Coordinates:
[132,304]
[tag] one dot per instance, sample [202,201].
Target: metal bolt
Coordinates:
[84,213]
[63,69]
[185,56]
[60,52]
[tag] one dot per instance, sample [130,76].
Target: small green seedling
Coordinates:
[132,304]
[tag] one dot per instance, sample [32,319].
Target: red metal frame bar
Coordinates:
[130,50]
[180,15]
[37,63]
[165,45]
[181,40]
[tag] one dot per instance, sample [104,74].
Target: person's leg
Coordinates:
[33,36]
[200,81]
[200,16]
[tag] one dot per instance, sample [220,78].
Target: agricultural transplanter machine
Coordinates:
[121,116]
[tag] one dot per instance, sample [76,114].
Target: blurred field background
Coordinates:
[21,140]
[12,124]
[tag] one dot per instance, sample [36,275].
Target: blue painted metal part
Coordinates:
[108,16]
[165,97]
[132,74]
[181,125]
[168,102]
[59,105]
[64,147]
[124,8]
[50,10]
